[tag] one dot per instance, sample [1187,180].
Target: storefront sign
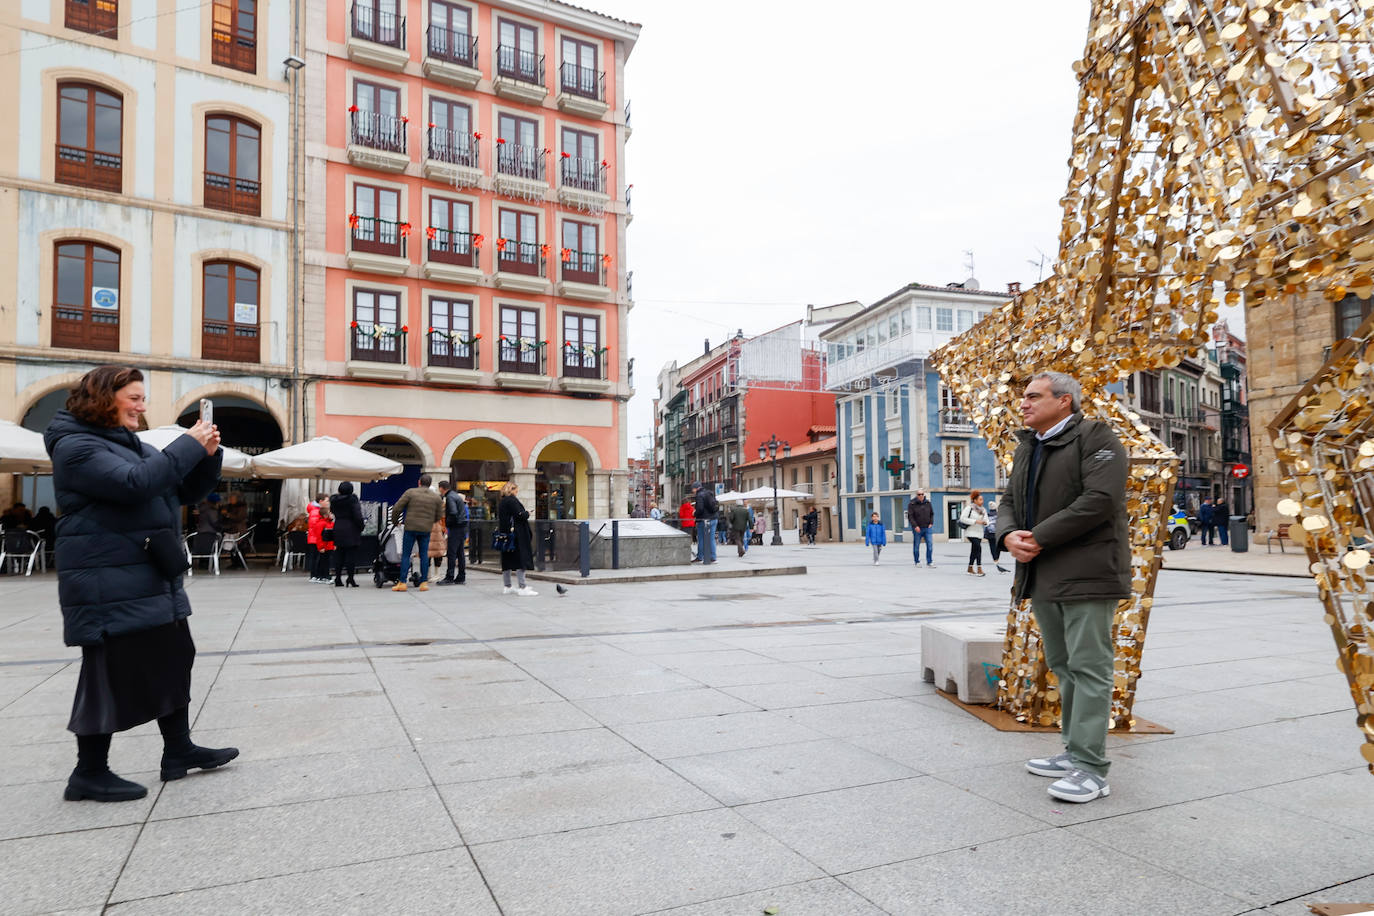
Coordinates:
[104,298]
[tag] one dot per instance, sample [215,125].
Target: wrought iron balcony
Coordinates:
[377,131]
[449,247]
[582,174]
[447,145]
[520,65]
[381,26]
[520,161]
[956,421]
[451,46]
[379,236]
[520,257]
[584,81]
[583,267]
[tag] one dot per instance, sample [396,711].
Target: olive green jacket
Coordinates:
[1080,518]
[421,506]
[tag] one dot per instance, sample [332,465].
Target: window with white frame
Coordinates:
[922,318]
[944,319]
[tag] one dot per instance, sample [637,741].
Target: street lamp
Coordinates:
[769,450]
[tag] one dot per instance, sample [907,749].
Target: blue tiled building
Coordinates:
[890,404]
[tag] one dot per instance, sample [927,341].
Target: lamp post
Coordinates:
[770,450]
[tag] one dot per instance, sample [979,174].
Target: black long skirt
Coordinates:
[134,678]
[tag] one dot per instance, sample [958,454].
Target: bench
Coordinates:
[954,655]
[1281,535]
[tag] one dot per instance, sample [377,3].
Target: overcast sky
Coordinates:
[786,153]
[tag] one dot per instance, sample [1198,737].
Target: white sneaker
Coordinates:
[508,590]
[526,592]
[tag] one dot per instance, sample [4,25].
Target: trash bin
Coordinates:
[1240,534]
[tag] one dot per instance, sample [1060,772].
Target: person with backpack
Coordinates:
[457,520]
[706,517]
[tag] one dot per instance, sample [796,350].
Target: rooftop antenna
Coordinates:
[1039,265]
[968,261]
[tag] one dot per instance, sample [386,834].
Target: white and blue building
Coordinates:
[890,404]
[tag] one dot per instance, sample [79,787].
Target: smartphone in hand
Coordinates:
[207,411]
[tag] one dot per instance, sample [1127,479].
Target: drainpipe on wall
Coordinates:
[839,450]
[297,282]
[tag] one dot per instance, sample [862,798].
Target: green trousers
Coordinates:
[1077,636]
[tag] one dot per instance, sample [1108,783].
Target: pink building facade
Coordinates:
[465,277]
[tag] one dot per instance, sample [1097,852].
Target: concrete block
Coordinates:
[953,653]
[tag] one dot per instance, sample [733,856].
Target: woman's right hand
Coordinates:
[206,434]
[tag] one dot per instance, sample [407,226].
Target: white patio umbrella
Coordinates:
[236,463]
[22,450]
[324,457]
[729,496]
[767,493]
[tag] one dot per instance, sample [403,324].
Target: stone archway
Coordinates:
[563,477]
[480,461]
[398,444]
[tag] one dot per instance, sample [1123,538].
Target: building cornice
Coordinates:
[128,200]
[576,17]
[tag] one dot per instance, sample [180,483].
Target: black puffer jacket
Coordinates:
[348,520]
[113,490]
[1080,515]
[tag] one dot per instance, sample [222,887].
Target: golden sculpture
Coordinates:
[1220,153]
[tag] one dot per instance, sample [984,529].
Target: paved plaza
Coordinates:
[699,748]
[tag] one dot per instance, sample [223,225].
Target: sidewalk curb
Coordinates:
[575,579]
[1236,572]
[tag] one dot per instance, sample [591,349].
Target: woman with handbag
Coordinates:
[974,521]
[517,552]
[348,533]
[119,561]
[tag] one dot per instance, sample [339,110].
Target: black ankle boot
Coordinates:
[351,583]
[338,583]
[103,786]
[175,765]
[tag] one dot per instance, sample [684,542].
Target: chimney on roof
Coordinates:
[1013,288]
[706,345]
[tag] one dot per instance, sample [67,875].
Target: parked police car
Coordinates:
[1178,529]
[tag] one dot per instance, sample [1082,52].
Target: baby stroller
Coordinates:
[386,566]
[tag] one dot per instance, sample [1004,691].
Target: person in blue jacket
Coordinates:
[875,536]
[119,565]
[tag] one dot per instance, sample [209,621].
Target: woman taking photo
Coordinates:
[513,519]
[119,566]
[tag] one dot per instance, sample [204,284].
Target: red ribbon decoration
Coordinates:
[476,135]
[604,163]
[405,229]
[544,250]
[405,329]
[430,331]
[567,255]
[500,139]
[477,337]
[353,220]
[567,155]
[429,231]
[353,324]
[605,260]
[405,120]
[477,240]
[431,125]
[500,244]
[353,108]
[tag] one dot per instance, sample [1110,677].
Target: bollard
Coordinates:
[584,549]
[615,544]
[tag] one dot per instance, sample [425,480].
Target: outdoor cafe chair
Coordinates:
[21,549]
[293,550]
[198,540]
[229,544]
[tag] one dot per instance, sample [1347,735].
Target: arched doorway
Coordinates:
[560,483]
[37,489]
[397,448]
[479,468]
[250,428]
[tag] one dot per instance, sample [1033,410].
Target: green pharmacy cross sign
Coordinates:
[895,465]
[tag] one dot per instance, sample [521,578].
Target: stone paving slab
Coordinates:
[707,747]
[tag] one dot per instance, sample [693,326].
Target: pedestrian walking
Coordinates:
[687,522]
[706,517]
[990,535]
[739,528]
[119,562]
[760,526]
[875,536]
[974,520]
[1063,517]
[513,519]
[811,524]
[1221,515]
[1206,519]
[920,515]
[348,534]
[421,507]
[312,536]
[458,520]
[655,512]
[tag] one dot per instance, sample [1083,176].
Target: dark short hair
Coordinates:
[445,485]
[426,480]
[92,398]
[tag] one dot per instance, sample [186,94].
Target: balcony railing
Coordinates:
[89,168]
[520,161]
[583,267]
[583,362]
[379,343]
[229,342]
[237,195]
[955,421]
[100,17]
[627,116]
[379,236]
[455,47]
[583,81]
[450,353]
[447,145]
[377,131]
[449,247]
[524,66]
[583,174]
[520,258]
[956,477]
[521,354]
[239,51]
[382,26]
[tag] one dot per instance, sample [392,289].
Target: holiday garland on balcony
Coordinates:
[378,332]
[454,337]
[523,344]
[354,219]
[570,347]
